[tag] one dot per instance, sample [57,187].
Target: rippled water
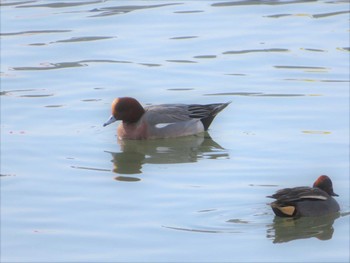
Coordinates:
[71,192]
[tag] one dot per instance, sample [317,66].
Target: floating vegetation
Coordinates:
[316,132]
[304,68]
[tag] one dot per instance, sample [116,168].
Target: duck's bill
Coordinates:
[334,194]
[110,120]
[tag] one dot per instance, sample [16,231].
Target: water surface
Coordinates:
[71,192]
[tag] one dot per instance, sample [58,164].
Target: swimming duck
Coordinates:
[161,121]
[306,201]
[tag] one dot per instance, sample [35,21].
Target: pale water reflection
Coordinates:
[281,230]
[289,229]
[189,149]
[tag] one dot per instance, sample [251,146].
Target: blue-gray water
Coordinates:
[71,192]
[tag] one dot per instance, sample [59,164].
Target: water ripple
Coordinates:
[322,15]
[254,94]
[60,65]
[90,168]
[73,40]
[150,64]
[16,3]
[330,14]
[205,56]
[9,93]
[200,230]
[59,4]
[255,51]
[184,37]
[258,2]
[33,32]
[81,39]
[37,96]
[319,80]
[188,12]
[118,10]
[313,49]
[305,68]
[181,61]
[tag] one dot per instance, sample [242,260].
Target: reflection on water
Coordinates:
[81,39]
[304,68]
[119,10]
[288,229]
[259,2]
[33,32]
[311,16]
[187,149]
[74,64]
[55,5]
[256,51]
[200,230]
[254,94]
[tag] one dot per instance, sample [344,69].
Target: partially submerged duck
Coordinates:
[306,201]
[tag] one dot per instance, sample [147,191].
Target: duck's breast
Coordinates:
[134,131]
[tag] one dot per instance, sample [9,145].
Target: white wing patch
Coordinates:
[162,125]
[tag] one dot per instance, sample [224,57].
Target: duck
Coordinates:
[306,201]
[161,121]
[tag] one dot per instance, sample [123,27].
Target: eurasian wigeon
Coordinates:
[161,121]
[306,201]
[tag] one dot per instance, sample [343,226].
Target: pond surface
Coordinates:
[71,192]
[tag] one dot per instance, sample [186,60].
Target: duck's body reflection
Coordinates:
[135,153]
[288,229]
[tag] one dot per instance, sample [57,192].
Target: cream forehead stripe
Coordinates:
[115,101]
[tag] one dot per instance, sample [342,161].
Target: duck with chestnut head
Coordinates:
[161,121]
[306,201]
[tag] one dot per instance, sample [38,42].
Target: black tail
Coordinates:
[207,113]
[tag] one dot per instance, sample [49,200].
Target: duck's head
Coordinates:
[325,183]
[126,109]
